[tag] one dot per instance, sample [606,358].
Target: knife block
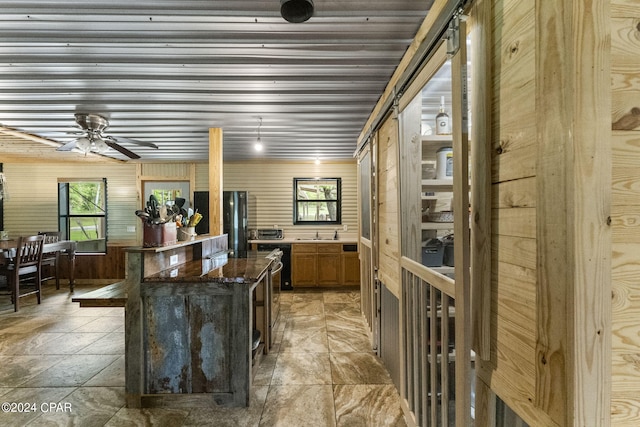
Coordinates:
[158,235]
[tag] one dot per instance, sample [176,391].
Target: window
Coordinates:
[82,210]
[317,201]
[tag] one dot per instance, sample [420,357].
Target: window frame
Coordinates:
[65,216]
[337,201]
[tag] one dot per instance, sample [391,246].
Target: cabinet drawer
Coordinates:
[307,248]
[324,248]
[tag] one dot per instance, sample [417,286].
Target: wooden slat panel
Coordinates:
[513,93]
[625,221]
[519,251]
[516,222]
[388,202]
[625,375]
[574,184]
[481,191]
[520,193]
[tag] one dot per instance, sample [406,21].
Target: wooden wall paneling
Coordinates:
[573,345]
[625,172]
[485,405]
[508,386]
[481,191]
[98,269]
[513,215]
[520,193]
[518,251]
[410,149]
[625,62]
[460,207]
[513,91]
[517,222]
[388,202]
[555,278]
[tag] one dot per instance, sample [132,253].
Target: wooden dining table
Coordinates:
[65,247]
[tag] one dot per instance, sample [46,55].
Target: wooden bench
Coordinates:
[114,295]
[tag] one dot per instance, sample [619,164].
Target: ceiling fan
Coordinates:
[94,140]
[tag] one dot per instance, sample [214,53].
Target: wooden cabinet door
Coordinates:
[328,269]
[350,269]
[304,269]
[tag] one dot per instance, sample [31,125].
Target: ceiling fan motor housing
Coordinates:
[94,123]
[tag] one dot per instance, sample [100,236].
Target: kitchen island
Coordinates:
[190,322]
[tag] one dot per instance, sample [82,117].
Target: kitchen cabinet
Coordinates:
[350,265]
[324,264]
[304,264]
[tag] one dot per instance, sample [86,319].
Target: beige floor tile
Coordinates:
[111,376]
[348,340]
[358,368]
[231,417]
[299,405]
[17,370]
[302,368]
[320,372]
[368,406]
[72,370]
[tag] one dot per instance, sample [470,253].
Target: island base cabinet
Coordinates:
[196,345]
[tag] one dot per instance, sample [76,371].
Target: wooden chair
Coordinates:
[26,262]
[51,260]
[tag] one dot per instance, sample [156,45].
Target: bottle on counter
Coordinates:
[443,124]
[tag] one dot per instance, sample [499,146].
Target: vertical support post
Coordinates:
[573,113]
[215,181]
[460,106]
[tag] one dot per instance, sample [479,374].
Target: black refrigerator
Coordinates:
[235,212]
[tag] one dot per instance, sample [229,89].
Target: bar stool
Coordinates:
[26,262]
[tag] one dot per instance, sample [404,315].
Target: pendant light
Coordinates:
[296,11]
[258,145]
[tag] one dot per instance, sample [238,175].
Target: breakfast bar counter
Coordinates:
[190,324]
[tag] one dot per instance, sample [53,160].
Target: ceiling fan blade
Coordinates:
[68,146]
[131,141]
[121,149]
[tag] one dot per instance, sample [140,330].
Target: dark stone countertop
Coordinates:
[220,268]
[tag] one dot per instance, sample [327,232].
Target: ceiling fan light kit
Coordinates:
[94,140]
[296,11]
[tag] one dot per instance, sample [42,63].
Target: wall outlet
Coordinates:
[173,259]
[131,228]
[345,227]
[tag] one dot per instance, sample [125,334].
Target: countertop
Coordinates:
[219,268]
[289,240]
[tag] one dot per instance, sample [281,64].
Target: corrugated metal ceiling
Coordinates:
[166,71]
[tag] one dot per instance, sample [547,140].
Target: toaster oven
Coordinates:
[270,233]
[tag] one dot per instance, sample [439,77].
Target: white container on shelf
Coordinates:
[444,163]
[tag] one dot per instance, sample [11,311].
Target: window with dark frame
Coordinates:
[317,201]
[82,213]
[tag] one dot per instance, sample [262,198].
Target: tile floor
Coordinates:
[67,363]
